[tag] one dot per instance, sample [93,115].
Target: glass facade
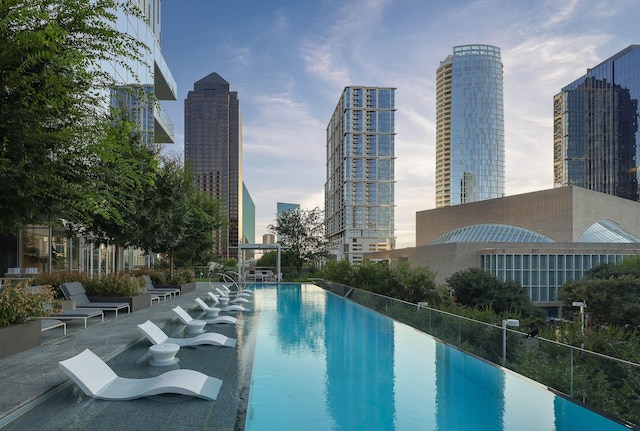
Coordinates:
[542,274]
[248,217]
[149,79]
[596,140]
[470,158]
[359,190]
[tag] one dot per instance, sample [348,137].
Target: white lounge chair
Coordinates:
[235,308]
[212,318]
[196,326]
[157,336]
[98,380]
[243,293]
[211,311]
[232,300]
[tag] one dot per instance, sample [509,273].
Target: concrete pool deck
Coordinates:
[26,377]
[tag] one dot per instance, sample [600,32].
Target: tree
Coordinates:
[614,301]
[123,170]
[302,236]
[175,217]
[477,288]
[52,91]
[205,216]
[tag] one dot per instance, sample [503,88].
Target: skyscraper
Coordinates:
[359,191]
[248,217]
[153,81]
[213,150]
[469,126]
[595,128]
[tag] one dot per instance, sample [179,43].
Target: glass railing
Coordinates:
[604,383]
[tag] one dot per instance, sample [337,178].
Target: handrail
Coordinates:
[241,279]
[226,278]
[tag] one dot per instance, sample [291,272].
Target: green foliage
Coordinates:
[477,288]
[123,170]
[51,91]
[611,292]
[56,278]
[302,236]
[175,218]
[114,284]
[204,217]
[19,302]
[401,281]
[163,277]
[339,272]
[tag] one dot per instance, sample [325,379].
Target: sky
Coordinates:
[289,61]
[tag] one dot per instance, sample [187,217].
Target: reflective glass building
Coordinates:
[151,78]
[359,190]
[596,128]
[213,151]
[470,163]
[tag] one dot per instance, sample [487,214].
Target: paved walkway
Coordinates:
[29,375]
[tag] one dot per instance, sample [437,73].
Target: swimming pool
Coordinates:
[324,363]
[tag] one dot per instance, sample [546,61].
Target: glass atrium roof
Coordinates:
[491,233]
[607,231]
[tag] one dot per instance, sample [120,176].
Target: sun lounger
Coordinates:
[162,291]
[235,308]
[47,324]
[211,311]
[244,292]
[196,326]
[211,316]
[232,300]
[74,291]
[157,336]
[75,314]
[98,380]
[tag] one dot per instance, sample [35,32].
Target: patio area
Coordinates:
[29,375]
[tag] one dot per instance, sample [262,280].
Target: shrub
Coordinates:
[55,279]
[19,302]
[162,277]
[114,284]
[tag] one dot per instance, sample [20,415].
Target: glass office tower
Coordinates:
[596,128]
[470,163]
[359,191]
[213,151]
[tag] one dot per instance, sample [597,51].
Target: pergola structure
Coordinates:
[242,247]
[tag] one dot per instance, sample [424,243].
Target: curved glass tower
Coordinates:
[469,126]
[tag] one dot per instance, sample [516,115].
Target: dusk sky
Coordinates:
[290,60]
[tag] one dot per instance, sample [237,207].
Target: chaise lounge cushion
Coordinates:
[74,291]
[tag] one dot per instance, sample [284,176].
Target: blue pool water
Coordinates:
[324,363]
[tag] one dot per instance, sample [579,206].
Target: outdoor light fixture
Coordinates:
[582,306]
[505,323]
[422,305]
